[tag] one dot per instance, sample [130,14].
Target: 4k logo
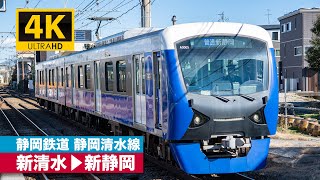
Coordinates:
[45,30]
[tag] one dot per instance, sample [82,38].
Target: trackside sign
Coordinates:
[44,29]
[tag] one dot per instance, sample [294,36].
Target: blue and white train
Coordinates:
[204,95]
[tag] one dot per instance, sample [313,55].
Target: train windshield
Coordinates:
[224,65]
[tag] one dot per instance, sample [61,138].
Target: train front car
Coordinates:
[223,96]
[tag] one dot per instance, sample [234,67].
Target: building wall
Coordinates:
[276,45]
[295,67]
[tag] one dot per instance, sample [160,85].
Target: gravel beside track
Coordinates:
[54,124]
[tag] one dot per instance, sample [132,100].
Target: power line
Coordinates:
[113,9]
[37,4]
[85,8]
[126,12]
[80,4]
[11,31]
[94,12]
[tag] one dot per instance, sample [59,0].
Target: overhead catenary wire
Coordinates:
[85,8]
[80,4]
[11,31]
[112,10]
[37,4]
[126,12]
[116,19]
[90,14]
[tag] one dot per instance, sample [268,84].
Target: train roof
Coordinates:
[178,32]
[125,35]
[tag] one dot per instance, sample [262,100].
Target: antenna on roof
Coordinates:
[268,14]
[223,18]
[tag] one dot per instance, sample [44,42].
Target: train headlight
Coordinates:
[258,116]
[198,119]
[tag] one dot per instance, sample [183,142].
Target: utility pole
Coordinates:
[268,14]
[146,13]
[285,101]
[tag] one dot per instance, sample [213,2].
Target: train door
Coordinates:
[97,88]
[139,90]
[72,84]
[57,79]
[157,88]
[46,82]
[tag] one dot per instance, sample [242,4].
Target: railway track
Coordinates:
[154,167]
[68,176]
[151,163]
[20,128]
[29,128]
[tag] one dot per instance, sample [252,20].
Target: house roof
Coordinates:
[301,10]
[270,26]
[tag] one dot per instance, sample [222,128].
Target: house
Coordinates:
[294,42]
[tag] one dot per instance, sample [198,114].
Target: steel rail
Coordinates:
[44,176]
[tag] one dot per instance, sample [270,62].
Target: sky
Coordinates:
[186,11]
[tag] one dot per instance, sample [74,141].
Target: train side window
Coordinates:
[72,76]
[109,76]
[87,77]
[43,77]
[38,76]
[80,77]
[40,80]
[121,76]
[50,77]
[156,67]
[67,77]
[143,76]
[62,78]
[57,76]
[46,80]
[53,79]
[137,66]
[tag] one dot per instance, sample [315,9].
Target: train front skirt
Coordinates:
[193,161]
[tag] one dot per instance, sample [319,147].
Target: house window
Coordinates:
[275,36]
[283,28]
[121,76]
[277,52]
[298,51]
[288,27]
[109,76]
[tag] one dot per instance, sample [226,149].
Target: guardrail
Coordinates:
[307,125]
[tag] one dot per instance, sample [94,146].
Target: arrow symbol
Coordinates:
[74,162]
